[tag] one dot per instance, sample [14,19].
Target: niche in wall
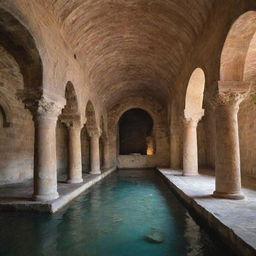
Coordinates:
[136,133]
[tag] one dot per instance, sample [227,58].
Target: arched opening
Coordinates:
[193,113]
[17,143]
[94,133]
[87,131]
[238,65]
[136,133]
[90,115]
[19,43]
[233,88]
[71,107]
[236,47]
[195,92]
[67,118]
[20,70]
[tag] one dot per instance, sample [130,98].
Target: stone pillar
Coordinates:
[75,154]
[95,152]
[227,162]
[190,153]
[45,169]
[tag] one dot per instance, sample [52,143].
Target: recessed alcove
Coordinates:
[135,133]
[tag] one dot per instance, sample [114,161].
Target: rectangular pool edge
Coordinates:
[55,205]
[226,234]
[65,199]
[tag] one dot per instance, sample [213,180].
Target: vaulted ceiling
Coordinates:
[129,45]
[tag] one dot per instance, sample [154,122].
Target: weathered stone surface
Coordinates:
[232,220]
[155,237]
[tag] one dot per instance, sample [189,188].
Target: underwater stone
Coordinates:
[155,237]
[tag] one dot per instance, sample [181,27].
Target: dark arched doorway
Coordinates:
[135,133]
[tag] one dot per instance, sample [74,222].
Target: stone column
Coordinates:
[227,162]
[190,153]
[45,169]
[75,154]
[95,152]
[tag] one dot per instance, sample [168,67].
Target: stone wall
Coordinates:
[247,136]
[62,148]
[17,140]
[160,131]
[85,144]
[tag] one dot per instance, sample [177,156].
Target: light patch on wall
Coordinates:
[150,146]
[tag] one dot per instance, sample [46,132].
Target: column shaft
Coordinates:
[190,155]
[228,181]
[45,170]
[75,155]
[95,154]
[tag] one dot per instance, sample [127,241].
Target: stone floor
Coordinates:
[233,220]
[18,196]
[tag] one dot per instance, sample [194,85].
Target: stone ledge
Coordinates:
[231,220]
[66,191]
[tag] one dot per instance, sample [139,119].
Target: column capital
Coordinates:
[192,117]
[72,121]
[94,133]
[40,105]
[230,93]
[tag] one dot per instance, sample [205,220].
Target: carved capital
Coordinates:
[72,121]
[230,93]
[94,133]
[40,105]
[192,117]
[48,107]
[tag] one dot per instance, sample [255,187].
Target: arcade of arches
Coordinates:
[90,85]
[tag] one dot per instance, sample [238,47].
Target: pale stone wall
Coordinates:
[201,142]
[16,141]
[247,137]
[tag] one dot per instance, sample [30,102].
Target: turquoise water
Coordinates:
[112,219]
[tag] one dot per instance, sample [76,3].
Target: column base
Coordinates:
[95,172]
[234,196]
[190,174]
[72,181]
[48,197]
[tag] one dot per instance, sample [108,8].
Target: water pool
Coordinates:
[113,218]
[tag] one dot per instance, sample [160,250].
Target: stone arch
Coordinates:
[158,113]
[136,125]
[236,46]
[71,106]
[67,118]
[195,92]
[249,73]
[90,114]
[193,113]
[18,41]
[150,111]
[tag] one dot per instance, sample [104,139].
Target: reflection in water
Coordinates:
[112,219]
